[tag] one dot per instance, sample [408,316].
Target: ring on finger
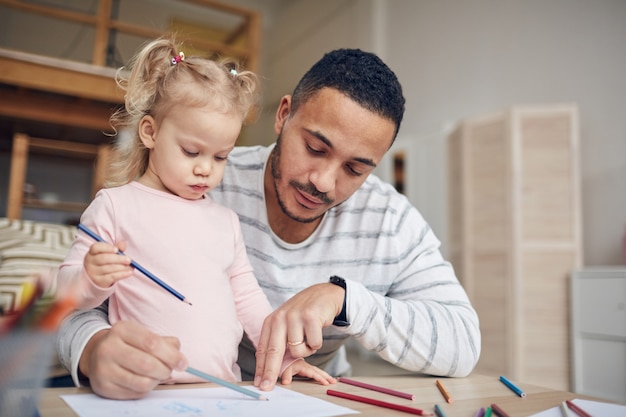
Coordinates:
[295,343]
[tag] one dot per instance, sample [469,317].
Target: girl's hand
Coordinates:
[306,370]
[105,266]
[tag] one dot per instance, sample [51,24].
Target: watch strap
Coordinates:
[341,320]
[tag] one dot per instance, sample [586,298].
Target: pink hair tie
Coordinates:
[178,58]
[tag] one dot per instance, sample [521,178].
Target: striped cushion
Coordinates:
[28,248]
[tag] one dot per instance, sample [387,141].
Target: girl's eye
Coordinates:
[190,153]
[221,158]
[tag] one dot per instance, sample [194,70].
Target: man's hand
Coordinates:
[128,361]
[296,325]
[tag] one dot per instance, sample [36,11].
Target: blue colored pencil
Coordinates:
[512,386]
[226,384]
[138,267]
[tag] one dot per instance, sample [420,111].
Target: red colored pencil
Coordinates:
[577,409]
[384,390]
[378,403]
[499,411]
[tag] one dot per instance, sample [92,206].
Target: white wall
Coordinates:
[458,59]
[301,32]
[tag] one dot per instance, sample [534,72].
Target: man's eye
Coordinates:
[353,171]
[314,151]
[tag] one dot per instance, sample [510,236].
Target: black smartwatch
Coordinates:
[341,320]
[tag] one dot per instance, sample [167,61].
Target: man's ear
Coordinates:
[282,114]
[147,131]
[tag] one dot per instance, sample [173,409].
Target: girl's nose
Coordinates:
[203,167]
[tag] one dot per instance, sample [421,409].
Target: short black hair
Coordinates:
[361,76]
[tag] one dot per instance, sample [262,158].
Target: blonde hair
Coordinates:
[155,82]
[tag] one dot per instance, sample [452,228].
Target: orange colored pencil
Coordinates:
[444,392]
[53,317]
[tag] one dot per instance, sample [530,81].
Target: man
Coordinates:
[338,252]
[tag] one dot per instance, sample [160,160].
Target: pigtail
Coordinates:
[246,87]
[142,80]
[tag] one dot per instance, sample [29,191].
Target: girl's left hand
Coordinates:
[105,266]
[306,370]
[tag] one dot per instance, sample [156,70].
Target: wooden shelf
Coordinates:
[24,145]
[57,205]
[47,89]
[72,101]
[241,42]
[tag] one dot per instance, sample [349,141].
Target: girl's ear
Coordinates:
[282,113]
[147,131]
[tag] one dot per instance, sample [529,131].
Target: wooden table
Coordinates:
[469,394]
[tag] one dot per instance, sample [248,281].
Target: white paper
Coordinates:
[198,402]
[595,408]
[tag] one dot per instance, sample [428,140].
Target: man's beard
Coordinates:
[307,188]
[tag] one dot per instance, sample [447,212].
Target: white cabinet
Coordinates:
[599,332]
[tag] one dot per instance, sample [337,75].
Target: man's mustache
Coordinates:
[311,190]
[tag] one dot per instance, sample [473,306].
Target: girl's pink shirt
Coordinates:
[196,247]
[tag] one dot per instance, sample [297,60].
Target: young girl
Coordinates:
[184,116]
